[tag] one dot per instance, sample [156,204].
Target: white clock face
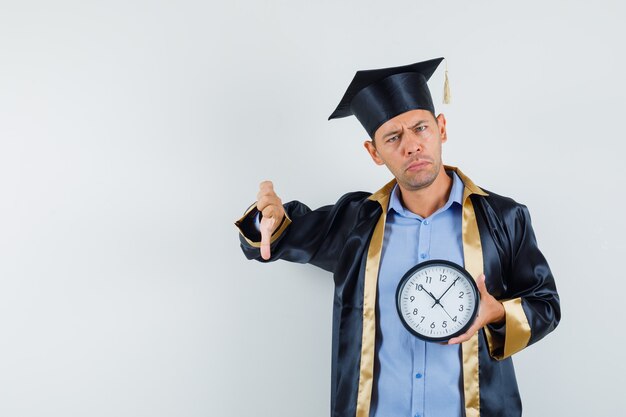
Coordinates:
[437,300]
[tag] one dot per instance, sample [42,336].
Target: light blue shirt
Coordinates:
[413,378]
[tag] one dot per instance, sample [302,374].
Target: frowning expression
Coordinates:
[410,146]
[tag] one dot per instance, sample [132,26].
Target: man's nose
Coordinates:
[412,142]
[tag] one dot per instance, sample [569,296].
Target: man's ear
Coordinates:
[441,125]
[371,149]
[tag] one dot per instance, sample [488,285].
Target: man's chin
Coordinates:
[414,186]
[418,182]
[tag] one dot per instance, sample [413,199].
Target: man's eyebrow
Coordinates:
[397,130]
[392,132]
[418,123]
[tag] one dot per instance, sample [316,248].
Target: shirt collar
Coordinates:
[456,196]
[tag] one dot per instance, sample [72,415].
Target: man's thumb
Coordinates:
[267,225]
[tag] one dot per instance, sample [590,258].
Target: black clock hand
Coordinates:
[444,293]
[446,311]
[421,288]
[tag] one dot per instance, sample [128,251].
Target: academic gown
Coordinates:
[346,239]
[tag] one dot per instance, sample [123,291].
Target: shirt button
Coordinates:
[426,222]
[417,415]
[418,375]
[423,256]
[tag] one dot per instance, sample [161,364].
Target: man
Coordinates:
[368,241]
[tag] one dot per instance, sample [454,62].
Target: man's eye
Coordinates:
[421,128]
[392,139]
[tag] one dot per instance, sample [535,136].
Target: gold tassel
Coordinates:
[446,87]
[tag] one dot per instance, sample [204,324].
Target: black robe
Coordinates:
[346,239]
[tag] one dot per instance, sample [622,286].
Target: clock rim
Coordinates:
[425,264]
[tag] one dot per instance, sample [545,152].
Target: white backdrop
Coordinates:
[133,133]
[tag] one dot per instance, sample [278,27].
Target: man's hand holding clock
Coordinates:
[490,311]
[439,301]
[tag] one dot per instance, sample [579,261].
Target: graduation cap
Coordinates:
[375,96]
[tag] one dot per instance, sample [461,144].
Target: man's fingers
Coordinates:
[465,336]
[268,202]
[480,283]
[455,340]
[271,207]
[480,319]
[458,339]
[266,186]
[267,227]
[270,212]
[266,193]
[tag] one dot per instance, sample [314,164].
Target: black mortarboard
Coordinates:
[375,96]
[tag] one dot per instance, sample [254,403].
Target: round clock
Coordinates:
[437,300]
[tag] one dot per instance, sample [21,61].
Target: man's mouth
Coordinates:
[417,165]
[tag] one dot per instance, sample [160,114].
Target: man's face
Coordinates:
[410,146]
